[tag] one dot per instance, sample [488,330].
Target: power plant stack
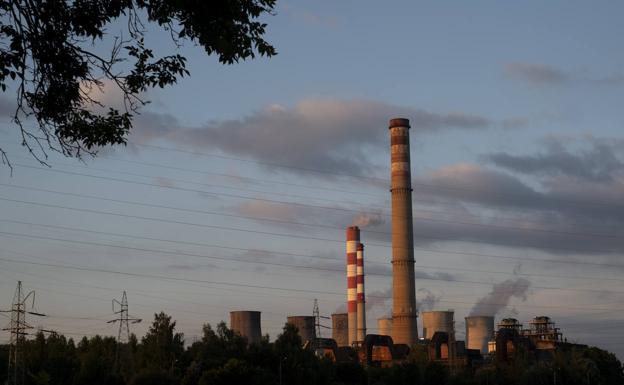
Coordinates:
[361,303]
[384,326]
[437,321]
[340,329]
[479,331]
[306,325]
[247,324]
[353,240]
[404,313]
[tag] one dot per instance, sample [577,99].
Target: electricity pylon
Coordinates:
[123,336]
[19,330]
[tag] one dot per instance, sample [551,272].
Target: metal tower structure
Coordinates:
[124,319]
[18,328]
[317,319]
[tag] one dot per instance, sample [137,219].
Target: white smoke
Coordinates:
[427,300]
[498,299]
[363,220]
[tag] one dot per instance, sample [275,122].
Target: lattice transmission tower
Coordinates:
[318,326]
[123,350]
[18,328]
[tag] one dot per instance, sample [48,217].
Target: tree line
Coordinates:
[222,357]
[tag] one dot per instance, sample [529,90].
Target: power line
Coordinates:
[361,177]
[295,236]
[257,286]
[264,181]
[420,266]
[385,297]
[358,211]
[323,226]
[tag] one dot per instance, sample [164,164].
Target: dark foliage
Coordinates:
[222,357]
[51,58]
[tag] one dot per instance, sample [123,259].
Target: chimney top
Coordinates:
[399,122]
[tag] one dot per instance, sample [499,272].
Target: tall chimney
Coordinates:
[404,314]
[353,239]
[361,303]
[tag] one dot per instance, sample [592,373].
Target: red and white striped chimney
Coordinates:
[353,240]
[361,306]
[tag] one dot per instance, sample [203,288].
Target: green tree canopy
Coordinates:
[51,59]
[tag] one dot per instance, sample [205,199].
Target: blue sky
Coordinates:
[517,158]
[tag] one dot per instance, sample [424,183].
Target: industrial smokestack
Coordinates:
[353,240]
[404,314]
[361,303]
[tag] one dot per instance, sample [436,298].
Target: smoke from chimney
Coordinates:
[364,220]
[502,292]
[427,300]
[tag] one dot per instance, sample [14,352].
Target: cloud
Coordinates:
[500,295]
[560,214]
[539,74]
[600,162]
[325,134]
[543,74]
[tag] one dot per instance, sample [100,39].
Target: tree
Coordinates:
[161,348]
[51,57]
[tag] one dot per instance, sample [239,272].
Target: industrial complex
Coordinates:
[398,334]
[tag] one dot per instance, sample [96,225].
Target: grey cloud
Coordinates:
[536,73]
[323,134]
[601,162]
[500,295]
[543,74]
[564,217]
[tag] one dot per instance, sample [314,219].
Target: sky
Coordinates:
[238,182]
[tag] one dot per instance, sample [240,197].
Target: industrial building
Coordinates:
[247,324]
[479,332]
[340,329]
[398,333]
[306,325]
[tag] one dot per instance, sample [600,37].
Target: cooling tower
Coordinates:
[247,324]
[404,314]
[479,331]
[340,329]
[384,326]
[361,303]
[306,326]
[437,321]
[353,240]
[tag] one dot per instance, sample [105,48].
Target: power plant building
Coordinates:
[437,321]
[404,312]
[340,328]
[479,331]
[384,326]
[306,325]
[247,324]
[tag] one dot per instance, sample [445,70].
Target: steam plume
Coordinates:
[497,299]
